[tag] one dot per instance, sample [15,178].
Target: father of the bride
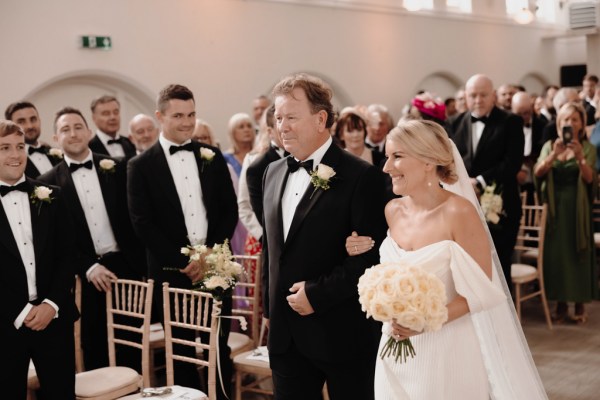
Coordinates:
[318,332]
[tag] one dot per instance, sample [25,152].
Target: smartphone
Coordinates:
[567,134]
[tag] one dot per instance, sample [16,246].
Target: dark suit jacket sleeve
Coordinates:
[368,219]
[223,209]
[254,180]
[507,169]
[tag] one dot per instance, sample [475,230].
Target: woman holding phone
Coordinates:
[566,180]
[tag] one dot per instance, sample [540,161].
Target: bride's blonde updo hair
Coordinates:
[427,141]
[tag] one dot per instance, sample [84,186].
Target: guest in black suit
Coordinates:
[378,132]
[491,143]
[38,309]
[94,191]
[41,158]
[178,197]
[532,132]
[106,114]
[143,132]
[317,330]
[590,82]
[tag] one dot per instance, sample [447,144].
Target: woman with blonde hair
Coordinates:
[241,134]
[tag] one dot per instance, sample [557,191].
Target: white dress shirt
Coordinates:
[477,128]
[378,146]
[296,185]
[114,149]
[90,196]
[184,171]
[41,161]
[18,213]
[528,138]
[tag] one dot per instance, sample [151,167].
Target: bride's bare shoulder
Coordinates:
[458,207]
[395,207]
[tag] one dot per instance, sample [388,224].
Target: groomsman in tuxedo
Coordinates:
[38,309]
[106,114]
[491,143]
[40,157]
[318,332]
[94,191]
[256,170]
[589,84]
[376,135]
[179,196]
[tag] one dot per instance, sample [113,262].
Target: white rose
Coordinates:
[55,153]
[42,192]
[206,154]
[107,164]
[492,217]
[185,251]
[325,172]
[411,319]
[216,281]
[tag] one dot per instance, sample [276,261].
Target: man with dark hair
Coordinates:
[38,308]
[180,193]
[504,96]
[309,280]
[107,248]
[40,157]
[259,105]
[590,82]
[106,114]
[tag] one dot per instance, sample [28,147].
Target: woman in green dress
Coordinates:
[566,181]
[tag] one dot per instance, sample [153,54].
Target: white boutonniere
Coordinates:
[107,166]
[56,153]
[40,195]
[206,155]
[321,176]
[492,205]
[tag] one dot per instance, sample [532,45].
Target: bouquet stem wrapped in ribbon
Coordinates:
[407,294]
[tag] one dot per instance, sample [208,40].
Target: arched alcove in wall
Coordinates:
[441,84]
[78,89]
[534,83]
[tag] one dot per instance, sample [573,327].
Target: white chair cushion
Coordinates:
[179,393]
[522,270]
[98,382]
[237,340]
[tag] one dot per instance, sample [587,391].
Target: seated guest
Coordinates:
[351,132]
[377,134]
[143,132]
[106,114]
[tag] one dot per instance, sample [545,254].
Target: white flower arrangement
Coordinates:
[107,165]
[40,195]
[407,294]
[56,153]
[491,204]
[206,155]
[321,176]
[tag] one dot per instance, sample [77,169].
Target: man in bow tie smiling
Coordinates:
[491,143]
[317,332]
[177,198]
[107,246]
[38,310]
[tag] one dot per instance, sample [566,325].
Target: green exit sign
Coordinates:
[96,42]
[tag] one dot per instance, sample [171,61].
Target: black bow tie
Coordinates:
[115,141]
[74,167]
[294,165]
[187,147]
[479,119]
[23,187]
[41,150]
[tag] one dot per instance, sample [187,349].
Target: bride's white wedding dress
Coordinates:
[448,363]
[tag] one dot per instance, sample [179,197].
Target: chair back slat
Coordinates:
[247,294]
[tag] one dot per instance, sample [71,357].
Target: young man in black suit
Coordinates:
[106,114]
[180,193]
[38,309]
[491,143]
[41,158]
[317,331]
[95,193]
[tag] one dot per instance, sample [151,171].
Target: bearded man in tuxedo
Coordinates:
[318,332]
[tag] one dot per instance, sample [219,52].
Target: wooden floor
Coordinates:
[568,357]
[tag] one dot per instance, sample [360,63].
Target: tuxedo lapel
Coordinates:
[108,188]
[280,179]
[65,181]
[487,134]
[203,172]
[162,175]
[39,226]
[6,236]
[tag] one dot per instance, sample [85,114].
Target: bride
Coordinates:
[480,352]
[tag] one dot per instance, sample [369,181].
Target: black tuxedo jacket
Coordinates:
[157,215]
[499,154]
[97,146]
[537,133]
[590,112]
[112,185]
[315,252]
[254,179]
[54,263]
[31,170]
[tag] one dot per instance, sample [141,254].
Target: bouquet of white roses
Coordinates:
[413,297]
[491,204]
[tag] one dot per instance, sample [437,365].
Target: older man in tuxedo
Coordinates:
[179,197]
[491,143]
[106,114]
[38,309]
[107,248]
[318,332]
[40,157]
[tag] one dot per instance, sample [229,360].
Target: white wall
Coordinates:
[229,51]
